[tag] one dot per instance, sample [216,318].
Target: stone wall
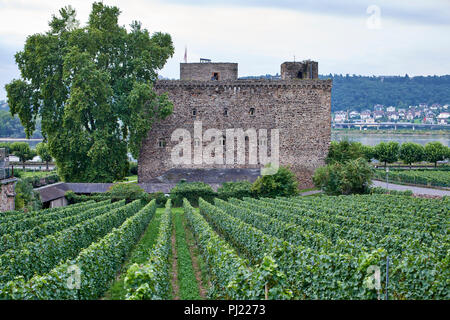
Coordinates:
[204,71]
[7,194]
[300,109]
[300,70]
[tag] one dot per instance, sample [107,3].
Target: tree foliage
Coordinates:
[435,151]
[43,152]
[281,184]
[361,92]
[387,152]
[23,151]
[353,176]
[92,87]
[411,152]
[343,151]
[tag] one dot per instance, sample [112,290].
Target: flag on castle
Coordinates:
[185,54]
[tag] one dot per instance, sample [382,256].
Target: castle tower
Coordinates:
[306,69]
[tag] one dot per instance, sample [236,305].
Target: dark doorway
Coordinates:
[215,76]
[300,75]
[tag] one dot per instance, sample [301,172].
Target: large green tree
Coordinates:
[387,152]
[23,151]
[411,152]
[92,87]
[43,153]
[435,151]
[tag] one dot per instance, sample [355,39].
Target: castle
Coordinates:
[298,105]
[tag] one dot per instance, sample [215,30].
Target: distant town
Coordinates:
[420,114]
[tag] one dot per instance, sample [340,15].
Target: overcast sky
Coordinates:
[367,37]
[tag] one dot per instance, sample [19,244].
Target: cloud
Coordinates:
[416,11]
[261,35]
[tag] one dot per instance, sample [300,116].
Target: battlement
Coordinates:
[231,84]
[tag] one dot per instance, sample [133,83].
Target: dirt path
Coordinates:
[195,263]
[175,286]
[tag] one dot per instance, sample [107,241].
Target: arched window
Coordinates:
[197,142]
[225,112]
[194,112]
[252,111]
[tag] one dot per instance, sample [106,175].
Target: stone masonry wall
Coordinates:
[7,194]
[204,71]
[300,109]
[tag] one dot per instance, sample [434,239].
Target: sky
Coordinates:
[364,37]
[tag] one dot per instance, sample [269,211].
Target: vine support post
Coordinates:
[387,278]
[266,291]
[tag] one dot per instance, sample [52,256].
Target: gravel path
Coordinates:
[415,190]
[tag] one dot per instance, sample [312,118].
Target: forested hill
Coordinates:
[361,92]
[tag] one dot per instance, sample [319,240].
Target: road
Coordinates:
[415,190]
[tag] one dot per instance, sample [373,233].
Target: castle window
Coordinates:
[215,76]
[162,143]
[300,75]
[194,112]
[197,142]
[252,111]
[223,140]
[225,112]
[262,141]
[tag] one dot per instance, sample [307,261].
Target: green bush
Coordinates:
[133,168]
[192,191]
[127,191]
[345,150]
[239,190]
[160,198]
[281,184]
[26,198]
[354,176]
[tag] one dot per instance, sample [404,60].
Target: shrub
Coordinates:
[26,197]
[192,191]
[343,151]
[133,168]
[354,176]
[127,191]
[281,184]
[160,198]
[239,190]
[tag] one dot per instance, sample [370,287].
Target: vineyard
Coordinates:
[437,178]
[285,248]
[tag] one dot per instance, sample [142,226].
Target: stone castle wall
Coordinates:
[204,71]
[7,194]
[300,109]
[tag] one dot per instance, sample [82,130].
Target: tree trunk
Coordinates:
[46,165]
